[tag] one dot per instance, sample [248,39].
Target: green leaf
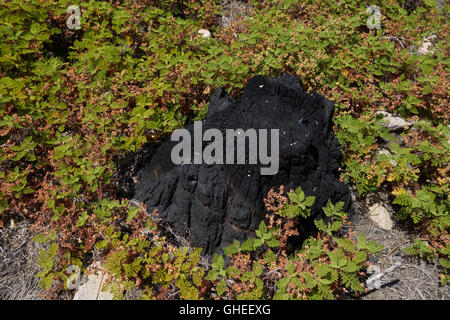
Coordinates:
[346,244]
[218,262]
[248,245]
[270,257]
[369,245]
[46,258]
[273,243]
[290,267]
[47,281]
[41,238]
[82,219]
[101,244]
[257,269]
[232,249]
[221,287]
[262,230]
[132,212]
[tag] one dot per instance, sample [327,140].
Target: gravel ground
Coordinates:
[413,279]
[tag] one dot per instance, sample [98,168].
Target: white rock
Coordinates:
[387,153]
[381,216]
[205,33]
[393,123]
[91,287]
[426,45]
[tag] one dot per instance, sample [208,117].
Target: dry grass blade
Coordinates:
[18,264]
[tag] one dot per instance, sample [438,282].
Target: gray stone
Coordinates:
[393,123]
[381,216]
[380,210]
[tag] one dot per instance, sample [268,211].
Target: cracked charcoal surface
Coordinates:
[211,205]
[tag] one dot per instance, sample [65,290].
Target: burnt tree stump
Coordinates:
[211,205]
